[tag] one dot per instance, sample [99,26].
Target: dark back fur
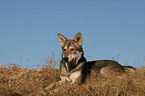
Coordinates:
[98,65]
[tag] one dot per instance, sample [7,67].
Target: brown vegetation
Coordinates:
[16,81]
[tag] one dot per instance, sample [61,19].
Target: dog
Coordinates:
[74,66]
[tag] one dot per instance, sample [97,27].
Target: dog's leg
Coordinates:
[74,76]
[64,79]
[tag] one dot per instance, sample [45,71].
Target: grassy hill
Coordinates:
[16,81]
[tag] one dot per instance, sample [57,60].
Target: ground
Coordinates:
[17,81]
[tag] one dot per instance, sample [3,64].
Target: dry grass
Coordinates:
[16,81]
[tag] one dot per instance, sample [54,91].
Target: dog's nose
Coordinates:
[65,59]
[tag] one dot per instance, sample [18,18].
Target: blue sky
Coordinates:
[110,29]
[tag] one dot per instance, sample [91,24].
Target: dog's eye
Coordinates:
[72,49]
[64,50]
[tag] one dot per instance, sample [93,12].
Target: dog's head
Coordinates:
[72,49]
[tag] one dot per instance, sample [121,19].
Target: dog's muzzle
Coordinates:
[65,59]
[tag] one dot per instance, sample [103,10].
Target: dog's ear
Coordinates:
[62,39]
[78,39]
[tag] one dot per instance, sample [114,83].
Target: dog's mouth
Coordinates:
[69,59]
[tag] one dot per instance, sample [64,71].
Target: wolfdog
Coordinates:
[74,65]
